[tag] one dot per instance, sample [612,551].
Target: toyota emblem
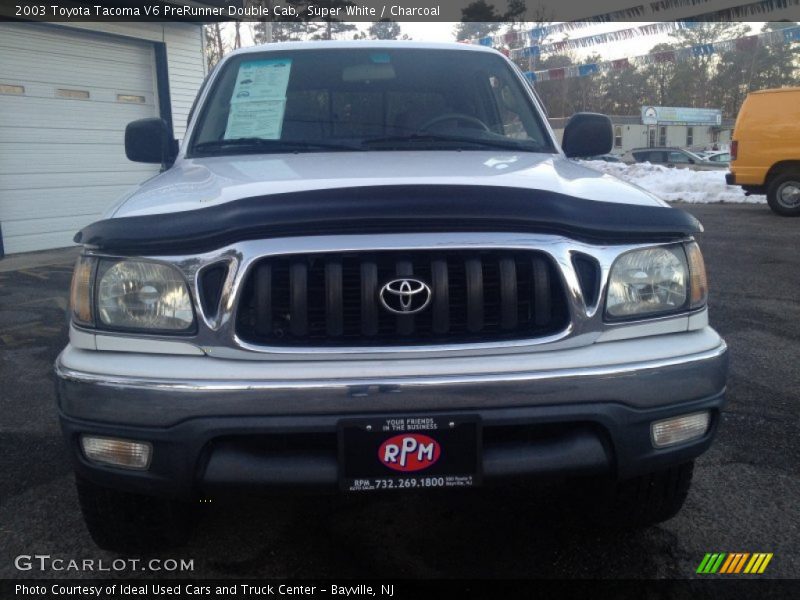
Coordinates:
[405,296]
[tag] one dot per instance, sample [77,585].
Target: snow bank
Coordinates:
[677,185]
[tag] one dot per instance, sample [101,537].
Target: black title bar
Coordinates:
[267,589]
[530,12]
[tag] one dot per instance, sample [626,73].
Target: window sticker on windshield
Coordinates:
[258,100]
[263,119]
[262,80]
[380,58]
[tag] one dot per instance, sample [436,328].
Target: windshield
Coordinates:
[367,99]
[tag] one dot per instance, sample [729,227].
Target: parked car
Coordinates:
[718,157]
[673,157]
[356,279]
[765,151]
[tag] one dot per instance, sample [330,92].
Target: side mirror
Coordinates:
[587,134]
[150,141]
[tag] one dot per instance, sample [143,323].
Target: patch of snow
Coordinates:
[678,185]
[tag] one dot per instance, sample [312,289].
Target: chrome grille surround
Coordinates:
[216,333]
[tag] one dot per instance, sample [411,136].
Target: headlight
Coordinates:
[134,294]
[648,282]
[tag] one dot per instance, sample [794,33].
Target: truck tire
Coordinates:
[129,523]
[649,499]
[783,194]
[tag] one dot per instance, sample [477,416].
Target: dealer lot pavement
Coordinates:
[744,497]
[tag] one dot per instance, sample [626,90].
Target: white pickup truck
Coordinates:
[370,266]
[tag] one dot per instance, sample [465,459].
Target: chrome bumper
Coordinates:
[142,401]
[575,420]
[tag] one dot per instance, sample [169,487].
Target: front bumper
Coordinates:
[211,434]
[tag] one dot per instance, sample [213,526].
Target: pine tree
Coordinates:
[385,29]
[478,20]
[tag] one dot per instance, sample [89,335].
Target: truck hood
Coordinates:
[193,184]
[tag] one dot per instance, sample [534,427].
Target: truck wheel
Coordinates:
[132,523]
[783,194]
[650,498]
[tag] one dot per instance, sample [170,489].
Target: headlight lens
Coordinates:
[648,282]
[142,295]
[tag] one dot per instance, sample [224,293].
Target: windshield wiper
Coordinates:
[266,145]
[433,138]
[261,144]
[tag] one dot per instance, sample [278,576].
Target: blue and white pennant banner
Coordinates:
[781,36]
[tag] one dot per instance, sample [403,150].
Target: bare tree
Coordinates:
[215,47]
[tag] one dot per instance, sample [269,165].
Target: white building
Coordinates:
[630,133]
[66,95]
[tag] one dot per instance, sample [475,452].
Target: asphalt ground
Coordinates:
[745,496]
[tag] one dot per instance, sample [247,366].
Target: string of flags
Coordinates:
[537,33]
[516,38]
[519,40]
[760,9]
[602,38]
[750,42]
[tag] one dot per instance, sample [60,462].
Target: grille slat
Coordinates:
[541,299]
[508,293]
[369,295]
[298,293]
[474,270]
[264,299]
[441,295]
[333,299]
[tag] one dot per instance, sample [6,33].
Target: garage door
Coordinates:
[65,98]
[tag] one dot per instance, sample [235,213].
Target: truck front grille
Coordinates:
[335,299]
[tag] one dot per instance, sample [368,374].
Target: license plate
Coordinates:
[409,452]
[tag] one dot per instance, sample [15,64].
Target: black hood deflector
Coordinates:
[388,209]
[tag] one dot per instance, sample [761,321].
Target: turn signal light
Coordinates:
[127,454]
[697,274]
[676,430]
[80,296]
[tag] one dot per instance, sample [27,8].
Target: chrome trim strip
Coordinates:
[622,370]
